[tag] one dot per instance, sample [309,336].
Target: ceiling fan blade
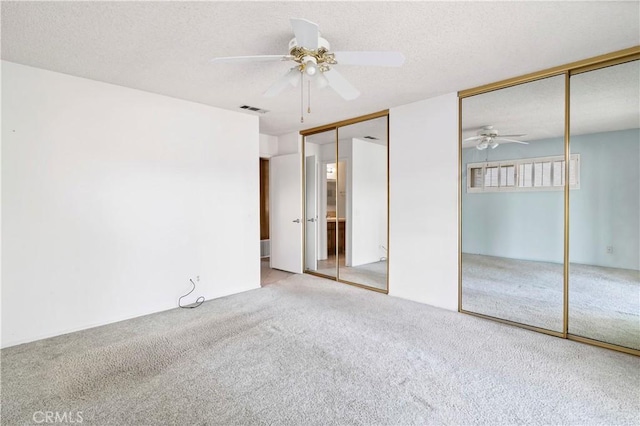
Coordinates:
[511,140]
[289,79]
[306,33]
[473,138]
[321,80]
[510,136]
[255,58]
[340,84]
[376,59]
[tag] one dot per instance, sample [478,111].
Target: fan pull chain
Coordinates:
[309,97]
[302,97]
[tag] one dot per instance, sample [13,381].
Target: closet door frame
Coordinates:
[568,70]
[334,127]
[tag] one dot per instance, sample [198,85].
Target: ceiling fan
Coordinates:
[311,56]
[490,137]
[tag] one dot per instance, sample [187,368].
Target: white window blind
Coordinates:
[527,174]
[491,177]
[546,174]
[507,175]
[558,173]
[537,174]
[573,171]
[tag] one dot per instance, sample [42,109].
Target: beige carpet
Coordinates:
[309,351]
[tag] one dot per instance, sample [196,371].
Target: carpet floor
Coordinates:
[370,274]
[604,303]
[270,276]
[309,351]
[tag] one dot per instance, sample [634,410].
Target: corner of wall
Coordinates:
[289,143]
[268,145]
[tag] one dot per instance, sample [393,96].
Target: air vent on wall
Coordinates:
[254,109]
[373,138]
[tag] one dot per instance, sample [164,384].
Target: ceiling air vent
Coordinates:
[373,138]
[254,109]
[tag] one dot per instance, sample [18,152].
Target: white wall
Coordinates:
[368,202]
[268,145]
[112,198]
[423,240]
[289,143]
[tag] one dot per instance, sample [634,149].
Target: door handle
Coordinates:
[313,219]
[296,221]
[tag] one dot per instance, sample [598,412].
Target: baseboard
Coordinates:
[164,308]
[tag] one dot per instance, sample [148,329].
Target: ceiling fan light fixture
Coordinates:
[312,56]
[487,136]
[311,69]
[310,66]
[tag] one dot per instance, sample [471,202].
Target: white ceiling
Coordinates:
[163,47]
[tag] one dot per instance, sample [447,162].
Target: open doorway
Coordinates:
[267,275]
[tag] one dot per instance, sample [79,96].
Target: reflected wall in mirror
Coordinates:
[363,190]
[513,203]
[346,202]
[604,250]
[321,203]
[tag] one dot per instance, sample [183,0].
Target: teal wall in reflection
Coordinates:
[605,211]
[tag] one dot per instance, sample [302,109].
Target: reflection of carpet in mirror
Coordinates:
[371,274]
[604,303]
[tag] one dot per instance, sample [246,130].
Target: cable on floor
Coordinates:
[199,301]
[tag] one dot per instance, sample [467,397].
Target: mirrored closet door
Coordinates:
[550,201]
[513,203]
[362,147]
[346,198]
[321,203]
[604,279]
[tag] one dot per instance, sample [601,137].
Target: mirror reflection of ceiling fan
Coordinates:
[490,137]
[311,56]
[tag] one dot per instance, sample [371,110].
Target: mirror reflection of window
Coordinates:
[512,215]
[604,249]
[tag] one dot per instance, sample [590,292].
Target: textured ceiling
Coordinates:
[163,47]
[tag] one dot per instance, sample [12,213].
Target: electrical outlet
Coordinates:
[198,278]
[609,249]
